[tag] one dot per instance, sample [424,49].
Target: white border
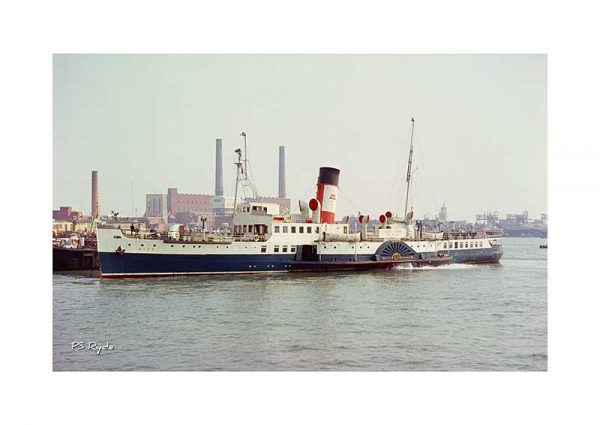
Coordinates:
[32,32]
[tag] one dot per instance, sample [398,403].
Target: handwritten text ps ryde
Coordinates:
[92,346]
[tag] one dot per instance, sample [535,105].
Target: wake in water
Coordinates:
[455,266]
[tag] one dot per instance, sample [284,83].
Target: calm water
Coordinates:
[456,317]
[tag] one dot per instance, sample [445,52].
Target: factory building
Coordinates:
[216,209]
[188,202]
[66,214]
[156,206]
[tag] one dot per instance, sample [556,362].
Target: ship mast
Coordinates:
[245,153]
[246,181]
[237,182]
[408,173]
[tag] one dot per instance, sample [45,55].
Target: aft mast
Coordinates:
[408,173]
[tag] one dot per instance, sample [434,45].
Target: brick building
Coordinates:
[66,213]
[188,202]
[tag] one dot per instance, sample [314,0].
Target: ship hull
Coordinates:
[114,265]
[477,256]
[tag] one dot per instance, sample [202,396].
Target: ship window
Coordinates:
[471,245]
[285,229]
[293,229]
[275,229]
[284,248]
[265,209]
[445,245]
[308,229]
[171,246]
[249,228]
[461,244]
[142,244]
[316,230]
[154,245]
[244,228]
[263,248]
[301,229]
[276,248]
[293,249]
[455,245]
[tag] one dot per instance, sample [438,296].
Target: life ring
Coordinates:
[256,238]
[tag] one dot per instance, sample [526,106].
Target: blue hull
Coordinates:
[131,265]
[476,255]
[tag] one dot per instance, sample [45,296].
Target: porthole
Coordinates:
[172,246]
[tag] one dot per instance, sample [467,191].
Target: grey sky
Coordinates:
[480,139]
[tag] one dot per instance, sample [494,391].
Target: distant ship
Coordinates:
[263,240]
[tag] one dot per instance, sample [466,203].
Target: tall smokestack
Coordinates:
[282,172]
[219,169]
[95,201]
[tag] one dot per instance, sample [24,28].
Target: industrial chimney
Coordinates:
[95,201]
[219,169]
[282,172]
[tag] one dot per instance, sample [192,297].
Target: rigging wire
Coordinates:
[343,192]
